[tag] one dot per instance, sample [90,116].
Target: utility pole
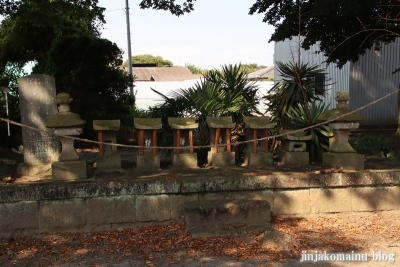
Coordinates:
[129,44]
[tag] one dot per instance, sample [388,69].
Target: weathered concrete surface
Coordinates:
[258,159]
[221,158]
[153,208]
[185,160]
[330,200]
[140,198]
[69,170]
[62,215]
[223,212]
[148,161]
[348,161]
[293,158]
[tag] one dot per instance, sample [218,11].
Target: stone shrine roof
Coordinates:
[252,122]
[147,123]
[106,125]
[182,123]
[220,122]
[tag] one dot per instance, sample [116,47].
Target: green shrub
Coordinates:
[304,117]
[374,145]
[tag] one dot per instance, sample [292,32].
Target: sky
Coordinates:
[217,32]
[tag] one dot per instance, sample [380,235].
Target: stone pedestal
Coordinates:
[109,159]
[257,153]
[293,149]
[148,162]
[185,160]
[183,155]
[221,158]
[69,170]
[37,96]
[220,139]
[348,161]
[148,158]
[258,159]
[293,158]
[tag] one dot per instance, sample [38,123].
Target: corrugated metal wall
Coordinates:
[371,78]
[336,79]
[366,80]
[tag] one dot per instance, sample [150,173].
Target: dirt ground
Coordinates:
[375,234]
[172,245]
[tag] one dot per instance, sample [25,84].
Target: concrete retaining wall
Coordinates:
[106,205]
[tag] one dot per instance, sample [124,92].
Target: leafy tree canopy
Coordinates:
[30,26]
[87,68]
[62,37]
[176,9]
[344,29]
[195,69]
[147,58]
[249,68]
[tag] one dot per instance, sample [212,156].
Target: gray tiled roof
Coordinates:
[159,74]
[262,74]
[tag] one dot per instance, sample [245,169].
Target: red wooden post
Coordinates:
[141,142]
[100,137]
[191,141]
[155,142]
[228,139]
[178,141]
[255,141]
[217,135]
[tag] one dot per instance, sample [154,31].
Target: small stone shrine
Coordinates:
[109,159]
[183,155]
[220,133]
[37,98]
[340,153]
[148,158]
[293,148]
[257,153]
[68,167]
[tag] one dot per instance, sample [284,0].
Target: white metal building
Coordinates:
[368,79]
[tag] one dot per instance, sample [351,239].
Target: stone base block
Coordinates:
[293,158]
[24,169]
[258,159]
[348,161]
[186,160]
[148,162]
[221,159]
[69,170]
[109,161]
[226,212]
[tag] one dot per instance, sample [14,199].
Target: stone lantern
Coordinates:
[107,130]
[257,153]
[340,153]
[183,155]
[68,167]
[220,133]
[148,158]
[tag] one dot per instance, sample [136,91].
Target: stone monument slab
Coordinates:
[37,95]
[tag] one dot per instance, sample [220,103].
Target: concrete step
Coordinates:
[226,214]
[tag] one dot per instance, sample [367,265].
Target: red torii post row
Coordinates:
[183,155]
[257,151]
[147,137]
[220,130]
